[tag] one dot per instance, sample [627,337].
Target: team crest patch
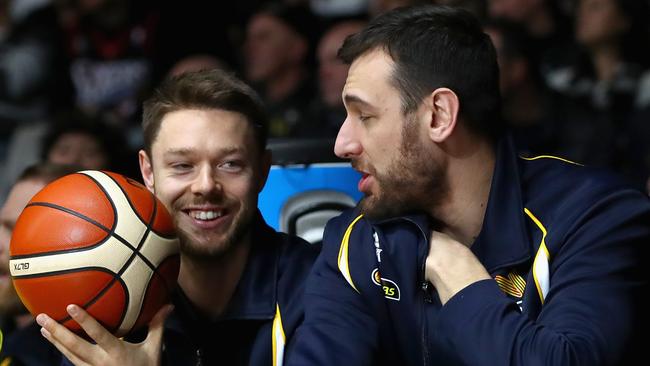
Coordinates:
[512,285]
[391,290]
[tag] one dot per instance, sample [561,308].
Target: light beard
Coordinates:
[413,182]
[239,228]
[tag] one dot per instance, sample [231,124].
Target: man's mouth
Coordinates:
[364,183]
[205,215]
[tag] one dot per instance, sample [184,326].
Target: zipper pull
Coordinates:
[199,361]
[426,288]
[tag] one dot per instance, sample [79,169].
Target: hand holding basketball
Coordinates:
[108,349]
[98,240]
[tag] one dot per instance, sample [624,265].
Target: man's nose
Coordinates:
[205,181]
[347,144]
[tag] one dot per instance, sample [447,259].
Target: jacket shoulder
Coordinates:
[556,185]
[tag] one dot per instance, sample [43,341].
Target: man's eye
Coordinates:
[363,117]
[181,166]
[231,165]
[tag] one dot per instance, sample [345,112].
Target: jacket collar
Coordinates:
[503,240]
[255,295]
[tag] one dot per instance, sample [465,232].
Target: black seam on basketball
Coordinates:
[108,197]
[162,235]
[164,282]
[146,235]
[63,271]
[136,249]
[128,200]
[116,278]
[99,294]
[149,226]
[82,217]
[111,233]
[168,287]
[63,251]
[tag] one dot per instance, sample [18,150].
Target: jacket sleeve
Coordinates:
[338,328]
[593,306]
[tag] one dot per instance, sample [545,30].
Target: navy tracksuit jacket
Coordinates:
[565,244]
[258,325]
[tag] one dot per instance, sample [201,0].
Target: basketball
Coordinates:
[99,240]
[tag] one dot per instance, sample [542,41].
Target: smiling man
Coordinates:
[461,252]
[240,282]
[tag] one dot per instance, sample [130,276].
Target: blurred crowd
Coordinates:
[73,73]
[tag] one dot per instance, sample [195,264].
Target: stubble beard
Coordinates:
[214,247]
[413,182]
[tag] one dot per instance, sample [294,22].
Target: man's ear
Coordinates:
[265,167]
[146,170]
[444,106]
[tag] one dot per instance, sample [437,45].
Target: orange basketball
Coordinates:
[99,240]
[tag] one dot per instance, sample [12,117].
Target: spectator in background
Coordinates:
[193,27]
[33,81]
[278,60]
[196,62]
[602,88]
[24,344]
[88,142]
[328,109]
[547,28]
[334,9]
[110,46]
[476,7]
[528,108]
[101,146]
[376,7]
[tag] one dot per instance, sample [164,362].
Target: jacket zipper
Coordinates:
[426,293]
[426,299]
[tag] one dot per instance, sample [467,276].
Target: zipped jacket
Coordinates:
[262,315]
[565,245]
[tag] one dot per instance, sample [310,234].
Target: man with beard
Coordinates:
[240,282]
[23,343]
[462,252]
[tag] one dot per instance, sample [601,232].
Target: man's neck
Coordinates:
[210,284]
[469,177]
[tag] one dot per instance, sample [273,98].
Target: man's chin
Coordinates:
[203,248]
[373,208]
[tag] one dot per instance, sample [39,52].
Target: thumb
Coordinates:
[156,329]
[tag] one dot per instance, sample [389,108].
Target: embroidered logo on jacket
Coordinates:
[513,285]
[390,288]
[377,248]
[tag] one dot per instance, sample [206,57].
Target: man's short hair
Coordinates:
[204,90]
[47,172]
[433,47]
